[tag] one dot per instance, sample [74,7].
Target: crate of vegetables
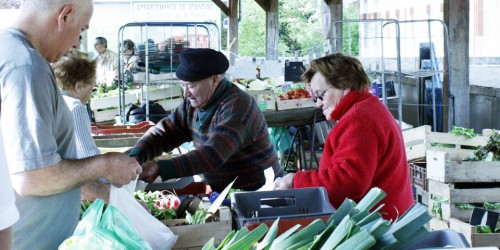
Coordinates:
[456,187]
[187,217]
[293,97]
[474,235]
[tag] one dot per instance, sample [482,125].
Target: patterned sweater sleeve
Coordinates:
[168,134]
[226,135]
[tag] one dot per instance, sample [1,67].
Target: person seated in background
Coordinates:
[129,58]
[225,124]
[107,62]
[75,75]
[364,149]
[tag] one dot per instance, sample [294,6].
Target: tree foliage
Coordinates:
[350,13]
[299,28]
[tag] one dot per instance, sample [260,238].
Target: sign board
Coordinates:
[245,70]
[179,11]
[271,69]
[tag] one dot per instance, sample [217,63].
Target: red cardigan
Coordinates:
[364,149]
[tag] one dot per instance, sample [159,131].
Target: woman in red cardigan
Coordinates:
[364,149]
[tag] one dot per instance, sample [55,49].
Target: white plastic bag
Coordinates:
[151,229]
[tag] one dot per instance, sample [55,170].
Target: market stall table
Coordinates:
[300,119]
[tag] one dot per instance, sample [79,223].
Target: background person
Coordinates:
[129,57]
[38,127]
[107,62]
[364,149]
[75,75]
[225,124]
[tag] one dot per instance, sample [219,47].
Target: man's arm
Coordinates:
[118,168]
[6,238]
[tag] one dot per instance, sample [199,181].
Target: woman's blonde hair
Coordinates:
[74,67]
[340,71]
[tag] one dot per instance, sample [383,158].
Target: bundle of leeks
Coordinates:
[352,226]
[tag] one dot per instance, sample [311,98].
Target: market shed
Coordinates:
[456,18]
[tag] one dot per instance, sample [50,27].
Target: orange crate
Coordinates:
[141,127]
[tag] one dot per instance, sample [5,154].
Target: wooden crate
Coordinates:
[160,93]
[294,103]
[264,98]
[421,196]
[474,238]
[461,182]
[195,236]
[441,167]
[106,108]
[455,193]
[419,140]
[169,97]
[437,224]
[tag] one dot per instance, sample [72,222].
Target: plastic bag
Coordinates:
[158,235]
[108,230]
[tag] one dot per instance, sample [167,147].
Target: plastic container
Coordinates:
[252,207]
[444,239]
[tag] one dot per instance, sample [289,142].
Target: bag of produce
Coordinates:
[104,230]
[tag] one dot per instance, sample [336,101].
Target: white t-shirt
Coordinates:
[8,211]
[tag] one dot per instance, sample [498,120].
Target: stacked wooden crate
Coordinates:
[106,108]
[168,96]
[447,180]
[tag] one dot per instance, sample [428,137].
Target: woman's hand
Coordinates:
[285,182]
[150,171]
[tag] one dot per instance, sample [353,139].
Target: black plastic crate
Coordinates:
[251,207]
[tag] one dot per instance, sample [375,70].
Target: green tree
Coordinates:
[299,28]
[351,13]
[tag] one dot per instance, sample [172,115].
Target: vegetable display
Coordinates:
[352,226]
[162,204]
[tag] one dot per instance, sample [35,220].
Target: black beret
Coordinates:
[198,64]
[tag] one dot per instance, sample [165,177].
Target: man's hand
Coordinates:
[121,169]
[285,182]
[151,171]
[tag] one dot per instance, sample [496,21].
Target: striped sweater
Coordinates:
[230,137]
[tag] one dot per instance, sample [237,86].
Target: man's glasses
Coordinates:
[316,95]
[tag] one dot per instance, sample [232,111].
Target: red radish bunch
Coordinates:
[167,201]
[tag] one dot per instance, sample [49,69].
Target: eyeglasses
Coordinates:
[318,96]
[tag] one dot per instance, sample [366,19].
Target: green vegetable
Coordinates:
[463,131]
[483,229]
[199,216]
[438,202]
[489,152]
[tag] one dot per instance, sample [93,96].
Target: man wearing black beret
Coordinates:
[225,124]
